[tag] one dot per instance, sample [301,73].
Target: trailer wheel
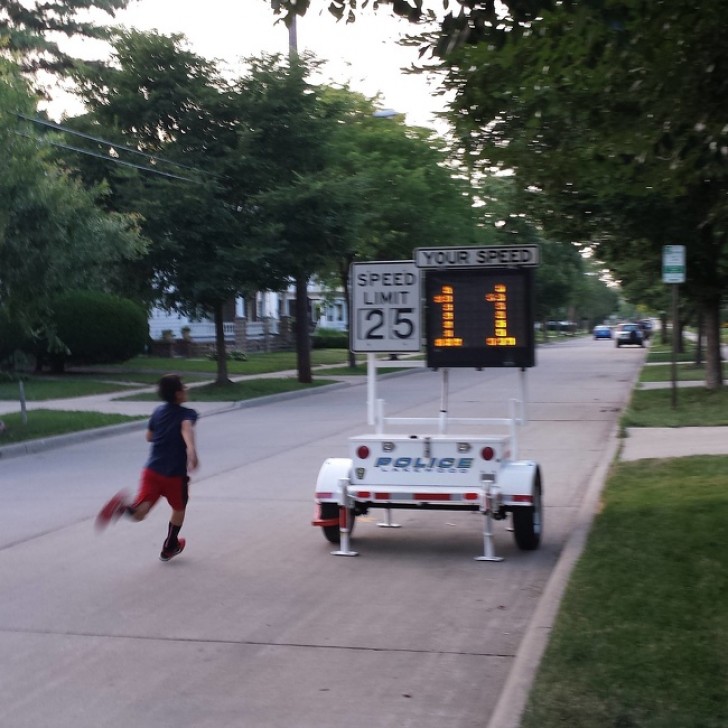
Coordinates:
[528,522]
[332,533]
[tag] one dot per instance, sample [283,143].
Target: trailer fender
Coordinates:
[518,482]
[327,483]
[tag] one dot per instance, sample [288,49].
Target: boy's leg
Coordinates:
[177,499]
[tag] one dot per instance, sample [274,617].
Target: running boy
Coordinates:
[173,453]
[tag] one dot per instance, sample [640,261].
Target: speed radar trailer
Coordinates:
[475,316]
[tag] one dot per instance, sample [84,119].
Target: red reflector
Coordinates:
[363,494]
[487,453]
[381,496]
[522,498]
[470,496]
[362,452]
[325,496]
[432,496]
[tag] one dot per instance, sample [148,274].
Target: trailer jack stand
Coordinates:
[491,496]
[344,521]
[388,523]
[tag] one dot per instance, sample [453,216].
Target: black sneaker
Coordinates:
[167,555]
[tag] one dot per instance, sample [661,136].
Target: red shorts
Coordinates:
[154,485]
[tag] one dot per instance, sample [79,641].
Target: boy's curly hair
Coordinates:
[168,387]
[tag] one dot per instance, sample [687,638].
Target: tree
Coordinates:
[53,234]
[614,113]
[390,189]
[29,33]
[284,149]
[162,99]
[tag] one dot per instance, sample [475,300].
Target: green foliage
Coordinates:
[593,106]
[98,328]
[12,336]
[30,31]
[330,339]
[234,355]
[48,423]
[53,235]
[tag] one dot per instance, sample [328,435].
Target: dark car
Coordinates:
[629,335]
[602,331]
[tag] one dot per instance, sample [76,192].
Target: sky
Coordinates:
[363,54]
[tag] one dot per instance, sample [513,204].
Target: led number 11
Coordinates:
[499,298]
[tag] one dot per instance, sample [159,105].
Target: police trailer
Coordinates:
[478,313]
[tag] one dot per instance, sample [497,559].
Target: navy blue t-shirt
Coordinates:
[169,452]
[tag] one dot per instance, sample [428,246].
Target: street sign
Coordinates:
[496,256]
[385,307]
[673,264]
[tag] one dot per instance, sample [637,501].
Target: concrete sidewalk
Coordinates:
[673,442]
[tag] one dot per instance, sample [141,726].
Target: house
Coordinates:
[259,322]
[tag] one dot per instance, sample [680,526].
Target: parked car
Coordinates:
[602,331]
[629,335]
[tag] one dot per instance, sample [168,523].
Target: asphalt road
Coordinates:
[257,624]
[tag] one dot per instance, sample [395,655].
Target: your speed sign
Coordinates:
[385,307]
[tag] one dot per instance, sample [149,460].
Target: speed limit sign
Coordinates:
[385,307]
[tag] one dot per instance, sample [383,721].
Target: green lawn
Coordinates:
[686,371]
[641,640]
[238,391]
[696,407]
[47,423]
[145,372]
[40,388]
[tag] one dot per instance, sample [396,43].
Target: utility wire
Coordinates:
[99,140]
[107,158]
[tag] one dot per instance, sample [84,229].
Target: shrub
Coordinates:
[12,337]
[330,339]
[98,328]
[234,355]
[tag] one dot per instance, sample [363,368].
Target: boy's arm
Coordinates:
[188,435]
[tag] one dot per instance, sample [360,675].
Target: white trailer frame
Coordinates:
[494,487]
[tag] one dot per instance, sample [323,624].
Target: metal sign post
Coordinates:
[673,273]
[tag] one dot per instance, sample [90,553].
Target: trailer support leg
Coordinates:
[344,521]
[488,548]
[388,522]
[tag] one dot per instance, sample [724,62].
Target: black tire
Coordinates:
[332,533]
[528,522]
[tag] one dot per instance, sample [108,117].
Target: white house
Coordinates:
[327,310]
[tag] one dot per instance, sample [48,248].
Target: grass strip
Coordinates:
[255,364]
[641,639]
[686,372]
[47,423]
[236,391]
[39,389]
[696,407]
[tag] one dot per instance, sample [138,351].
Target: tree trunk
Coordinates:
[222,367]
[698,361]
[713,357]
[344,275]
[303,340]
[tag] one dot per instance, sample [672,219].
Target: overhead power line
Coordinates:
[113,145]
[107,158]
